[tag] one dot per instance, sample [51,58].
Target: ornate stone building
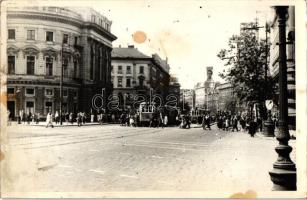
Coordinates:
[41,42]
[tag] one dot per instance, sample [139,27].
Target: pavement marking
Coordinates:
[65,166]
[94,150]
[97,171]
[128,176]
[160,147]
[123,153]
[175,143]
[153,156]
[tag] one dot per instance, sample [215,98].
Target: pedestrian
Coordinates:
[24,117]
[29,117]
[252,127]
[56,115]
[235,123]
[71,118]
[8,118]
[165,121]
[92,117]
[49,120]
[208,121]
[67,117]
[79,119]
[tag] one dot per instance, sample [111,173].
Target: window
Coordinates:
[11,34]
[75,93]
[49,36]
[128,82]
[76,40]
[11,90]
[30,65]
[119,81]
[141,69]
[11,64]
[128,69]
[65,38]
[30,34]
[49,92]
[93,19]
[30,91]
[75,68]
[49,64]
[65,67]
[120,70]
[65,93]
[48,107]
[107,26]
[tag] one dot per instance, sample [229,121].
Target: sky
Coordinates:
[189,33]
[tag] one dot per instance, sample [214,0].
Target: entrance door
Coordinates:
[11,108]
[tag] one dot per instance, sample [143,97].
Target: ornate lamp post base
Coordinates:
[283,180]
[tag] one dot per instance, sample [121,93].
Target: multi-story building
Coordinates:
[41,42]
[134,73]
[274,58]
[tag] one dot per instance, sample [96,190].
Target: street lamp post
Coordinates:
[283,174]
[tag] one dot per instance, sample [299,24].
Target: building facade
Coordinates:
[274,58]
[225,93]
[134,73]
[41,42]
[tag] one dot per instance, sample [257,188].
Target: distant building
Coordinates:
[274,65]
[135,73]
[205,92]
[41,42]
[225,93]
[187,96]
[174,88]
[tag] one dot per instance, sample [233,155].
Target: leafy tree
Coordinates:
[246,58]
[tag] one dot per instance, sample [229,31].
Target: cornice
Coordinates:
[62,19]
[46,17]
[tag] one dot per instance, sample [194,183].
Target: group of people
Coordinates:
[28,117]
[227,122]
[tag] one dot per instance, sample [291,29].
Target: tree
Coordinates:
[246,57]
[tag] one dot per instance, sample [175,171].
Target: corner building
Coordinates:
[42,41]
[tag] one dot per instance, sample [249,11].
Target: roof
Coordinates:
[128,53]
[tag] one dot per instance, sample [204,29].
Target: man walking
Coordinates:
[49,120]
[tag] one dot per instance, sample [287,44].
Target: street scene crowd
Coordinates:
[225,121]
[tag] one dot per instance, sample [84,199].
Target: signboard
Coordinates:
[269,104]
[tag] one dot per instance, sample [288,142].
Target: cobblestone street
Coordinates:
[114,158]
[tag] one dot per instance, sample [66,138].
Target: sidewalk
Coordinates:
[57,125]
